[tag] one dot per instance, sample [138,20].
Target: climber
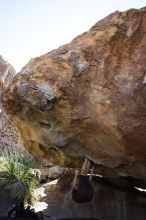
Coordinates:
[81,189]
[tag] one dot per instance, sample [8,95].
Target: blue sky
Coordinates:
[30,28]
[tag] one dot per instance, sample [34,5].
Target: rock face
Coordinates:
[88,98]
[9,137]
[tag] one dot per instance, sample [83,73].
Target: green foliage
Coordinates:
[15,176]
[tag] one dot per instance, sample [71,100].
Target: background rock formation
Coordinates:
[88,99]
[9,136]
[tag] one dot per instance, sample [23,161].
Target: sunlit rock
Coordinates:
[9,135]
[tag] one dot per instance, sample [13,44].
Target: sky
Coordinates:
[30,28]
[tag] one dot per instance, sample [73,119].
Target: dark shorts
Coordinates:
[84,192]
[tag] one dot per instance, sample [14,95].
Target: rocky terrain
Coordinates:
[87,99]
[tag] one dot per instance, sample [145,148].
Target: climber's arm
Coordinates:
[91,174]
[74,183]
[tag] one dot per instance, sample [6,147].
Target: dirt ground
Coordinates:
[5,202]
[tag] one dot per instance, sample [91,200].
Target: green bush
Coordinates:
[15,177]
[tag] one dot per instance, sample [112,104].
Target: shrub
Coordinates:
[14,176]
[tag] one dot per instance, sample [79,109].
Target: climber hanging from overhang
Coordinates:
[81,189]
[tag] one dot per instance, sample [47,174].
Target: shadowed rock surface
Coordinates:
[108,203]
[87,99]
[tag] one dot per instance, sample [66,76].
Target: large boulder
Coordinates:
[88,98]
[9,135]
